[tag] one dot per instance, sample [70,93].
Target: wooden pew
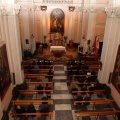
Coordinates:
[82,75]
[34,91]
[27,102]
[97,113]
[90,91]
[36,114]
[39,65]
[38,83]
[40,70]
[36,75]
[95,102]
[83,83]
[90,70]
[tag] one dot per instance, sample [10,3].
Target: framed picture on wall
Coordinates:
[116,73]
[5,78]
[57,19]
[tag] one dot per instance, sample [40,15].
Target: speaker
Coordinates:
[110,77]
[27,41]
[13,78]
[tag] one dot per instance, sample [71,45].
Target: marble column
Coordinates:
[110,46]
[13,44]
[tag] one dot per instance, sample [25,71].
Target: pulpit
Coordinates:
[71,44]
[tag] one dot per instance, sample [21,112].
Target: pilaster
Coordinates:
[110,45]
[12,40]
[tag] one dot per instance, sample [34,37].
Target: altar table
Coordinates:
[54,48]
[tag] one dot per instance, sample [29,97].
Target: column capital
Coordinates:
[113,12]
[9,9]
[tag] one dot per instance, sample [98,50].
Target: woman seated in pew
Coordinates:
[20,109]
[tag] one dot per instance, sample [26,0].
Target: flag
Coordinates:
[96,47]
[33,44]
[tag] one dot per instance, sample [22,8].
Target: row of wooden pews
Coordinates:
[108,102]
[38,75]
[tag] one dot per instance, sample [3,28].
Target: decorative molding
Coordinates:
[113,12]
[58,1]
[9,9]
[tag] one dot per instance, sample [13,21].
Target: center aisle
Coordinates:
[61,95]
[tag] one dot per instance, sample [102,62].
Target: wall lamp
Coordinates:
[43,8]
[71,8]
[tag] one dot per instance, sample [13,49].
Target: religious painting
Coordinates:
[57,19]
[5,78]
[116,73]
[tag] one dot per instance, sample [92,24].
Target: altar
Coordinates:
[57,48]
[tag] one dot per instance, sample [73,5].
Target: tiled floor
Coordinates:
[63,100]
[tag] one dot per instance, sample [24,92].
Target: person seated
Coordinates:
[87,98]
[93,78]
[44,97]
[48,93]
[77,73]
[20,109]
[39,62]
[92,87]
[44,108]
[40,87]
[74,88]
[31,109]
[36,66]
[79,97]
[50,75]
[84,88]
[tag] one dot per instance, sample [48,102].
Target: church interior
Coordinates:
[60,59]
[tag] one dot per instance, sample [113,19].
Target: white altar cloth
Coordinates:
[53,48]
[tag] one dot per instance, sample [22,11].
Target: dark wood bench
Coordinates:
[39,70]
[36,75]
[96,101]
[27,102]
[97,113]
[36,114]
[90,91]
[39,83]
[34,91]
[82,75]
[82,83]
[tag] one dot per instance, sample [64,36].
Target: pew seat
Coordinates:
[34,91]
[27,102]
[38,83]
[90,91]
[83,83]
[95,101]
[36,114]
[97,113]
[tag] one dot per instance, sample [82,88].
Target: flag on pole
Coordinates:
[96,47]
